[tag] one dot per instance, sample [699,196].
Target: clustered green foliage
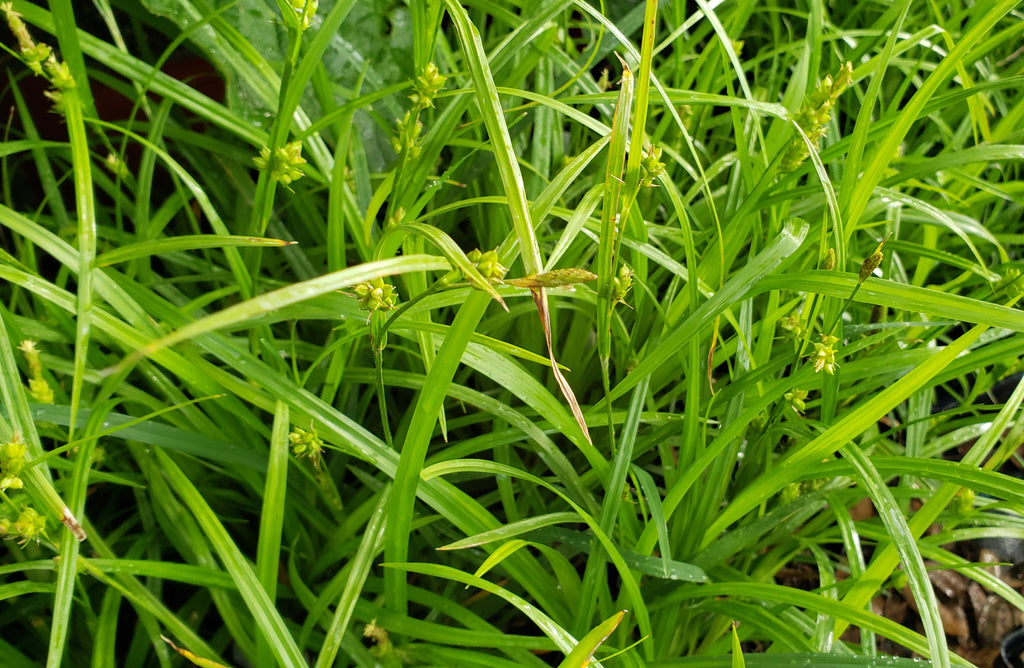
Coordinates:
[771,247]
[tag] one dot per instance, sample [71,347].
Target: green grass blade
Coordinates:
[583,654]
[854,422]
[560,636]
[611,213]
[85,211]
[183,243]
[494,120]
[906,545]
[740,285]
[293,294]
[267,619]
[414,447]
[809,601]
[946,69]
[145,601]
[737,650]
[362,561]
[268,550]
[613,500]
[901,296]
[512,529]
[632,591]
[67,571]
[653,500]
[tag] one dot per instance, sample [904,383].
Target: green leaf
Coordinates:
[583,653]
[749,279]
[560,636]
[900,296]
[737,651]
[260,606]
[293,294]
[182,244]
[512,529]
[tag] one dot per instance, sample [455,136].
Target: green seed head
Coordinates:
[427,86]
[621,284]
[407,135]
[488,265]
[814,115]
[871,263]
[306,444]
[651,167]
[30,525]
[796,399]
[376,295]
[285,164]
[825,354]
[13,455]
[792,325]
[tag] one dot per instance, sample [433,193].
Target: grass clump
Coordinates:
[506,334]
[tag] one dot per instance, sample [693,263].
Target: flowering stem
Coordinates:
[866,269]
[378,363]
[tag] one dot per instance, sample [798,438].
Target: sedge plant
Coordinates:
[506,334]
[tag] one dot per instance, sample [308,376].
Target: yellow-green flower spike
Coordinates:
[963,502]
[37,385]
[621,284]
[13,455]
[60,74]
[34,54]
[382,647]
[814,116]
[825,355]
[285,165]
[793,326]
[796,399]
[116,166]
[407,136]
[40,390]
[651,167]
[871,263]
[553,279]
[427,86]
[376,295]
[488,265]
[30,525]
[31,353]
[39,57]
[396,218]
[791,492]
[306,444]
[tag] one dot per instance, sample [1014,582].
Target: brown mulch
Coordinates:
[975,619]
